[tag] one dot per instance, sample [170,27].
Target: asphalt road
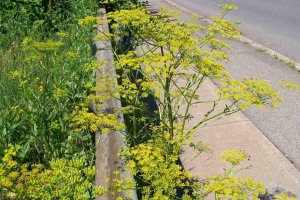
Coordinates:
[281,126]
[272,23]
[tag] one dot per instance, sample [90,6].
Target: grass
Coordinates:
[261,50]
[43,81]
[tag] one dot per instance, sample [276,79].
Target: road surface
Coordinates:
[273,23]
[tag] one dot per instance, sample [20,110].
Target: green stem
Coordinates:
[217,116]
[168,96]
[189,103]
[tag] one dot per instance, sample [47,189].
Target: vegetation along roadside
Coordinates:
[48,82]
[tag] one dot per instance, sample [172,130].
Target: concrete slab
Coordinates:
[269,165]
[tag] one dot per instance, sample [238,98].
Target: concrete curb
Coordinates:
[244,39]
[108,145]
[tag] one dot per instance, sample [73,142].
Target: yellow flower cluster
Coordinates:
[83,120]
[284,196]
[61,180]
[229,6]
[71,54]
[15,74]
[134,17]
[62,34]
[93,65]
[161,172]
[289,85]
[128,89]
[250,92]
[58,92]
[224,27]
[106,36]
[209,67]
[121,186]
[43,47]
[8,174]
[234,157]
[88,20]
[128,62]
[229,187]
[48,46]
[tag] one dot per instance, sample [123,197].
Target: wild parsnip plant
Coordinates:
[47,87]
[62,179]
[169,67]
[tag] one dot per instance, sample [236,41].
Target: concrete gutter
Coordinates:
[108,145]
